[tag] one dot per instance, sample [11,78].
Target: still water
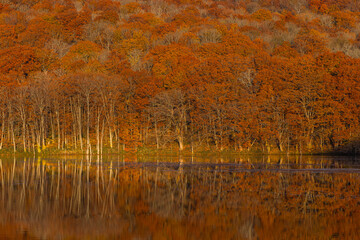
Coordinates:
[180,198]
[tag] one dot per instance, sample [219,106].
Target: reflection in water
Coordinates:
[185,199]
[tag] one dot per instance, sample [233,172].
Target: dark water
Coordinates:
[180,198]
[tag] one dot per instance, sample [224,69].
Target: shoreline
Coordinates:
[169,152]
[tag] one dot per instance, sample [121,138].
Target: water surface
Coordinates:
[161,197]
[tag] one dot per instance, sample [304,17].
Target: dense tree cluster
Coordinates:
[234,74]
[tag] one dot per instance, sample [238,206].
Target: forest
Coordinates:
[95,76]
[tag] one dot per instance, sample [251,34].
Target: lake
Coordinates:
[161,197]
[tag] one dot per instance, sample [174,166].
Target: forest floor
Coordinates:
[350,149]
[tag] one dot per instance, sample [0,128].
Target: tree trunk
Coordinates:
[58,128]
[24,134]
[98,133]
[11,128]
[102,137]
[80,127]
[110,137]
[2,130]
[157,136]
[88,125]
[180,138]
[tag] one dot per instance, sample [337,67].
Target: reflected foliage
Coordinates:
[186,199]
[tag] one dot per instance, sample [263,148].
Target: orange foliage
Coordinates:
[253,75]
[262,15]
[21,60]
[171,64]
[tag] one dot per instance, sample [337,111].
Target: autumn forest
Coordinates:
[242,75]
